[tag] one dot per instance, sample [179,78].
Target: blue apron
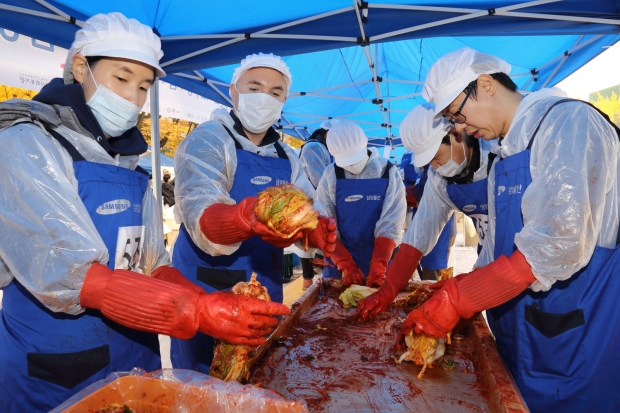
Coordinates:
[47,357]
[254,174]
[561,345]
[472,200]
[437,259]
[359,203]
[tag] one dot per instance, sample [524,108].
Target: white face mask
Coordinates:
[114,114]
[258,111]
[451,168]
[358,167]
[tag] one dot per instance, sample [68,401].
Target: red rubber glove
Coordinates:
[173,275]
[465,295]
[323,236]
[400,272]
[228,224]
[351,274]
[412,202]
[384,247]
[162,307]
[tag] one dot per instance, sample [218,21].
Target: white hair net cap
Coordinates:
[329,123]
[263,60]
[421,133]
[451,74]
[114,35]
[347,143]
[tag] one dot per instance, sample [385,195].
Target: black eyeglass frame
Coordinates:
[453,119]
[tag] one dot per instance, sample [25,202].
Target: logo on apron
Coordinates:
[113,207]
[353,198]
[260,180]
[469,208]
[128,248]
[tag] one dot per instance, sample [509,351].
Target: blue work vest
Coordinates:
[254,174]
[359,203]
[560,345]
[47,357]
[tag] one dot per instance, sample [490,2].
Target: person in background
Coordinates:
[220,167]
[314,158]
[77,215]
[367,196]
[547,274]
[167,189]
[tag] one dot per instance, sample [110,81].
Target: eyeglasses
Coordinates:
[458,117]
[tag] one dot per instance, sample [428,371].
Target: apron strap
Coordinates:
[73,152]
[279,149]
[491,158]
[529,146]
[386,174]
[604,115]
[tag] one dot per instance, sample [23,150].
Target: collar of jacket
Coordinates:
[57,93]
[270,137]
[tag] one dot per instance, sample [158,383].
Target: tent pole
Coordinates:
[558,17]
[472,15]
[155,162]
[566,55]
[34,13]
[59,12]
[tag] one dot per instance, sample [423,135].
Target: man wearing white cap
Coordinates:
[220,168]
[550,282]
[314,158]
[76,215]
[367,196]
[456,182]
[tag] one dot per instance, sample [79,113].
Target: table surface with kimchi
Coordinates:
[321,354]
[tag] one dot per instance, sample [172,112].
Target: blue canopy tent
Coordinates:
[350,59]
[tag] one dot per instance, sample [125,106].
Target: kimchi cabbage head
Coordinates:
[286,209]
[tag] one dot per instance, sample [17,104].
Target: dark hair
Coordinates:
[318,134]
[92,62]
[501,77]
[166,177]
[469,140]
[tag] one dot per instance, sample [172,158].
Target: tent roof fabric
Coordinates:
[349,59]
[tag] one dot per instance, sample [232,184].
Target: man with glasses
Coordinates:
[547,274]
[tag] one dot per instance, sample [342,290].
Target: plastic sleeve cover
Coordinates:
[205,165]
[49,240]
[154,254]
[314,157]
